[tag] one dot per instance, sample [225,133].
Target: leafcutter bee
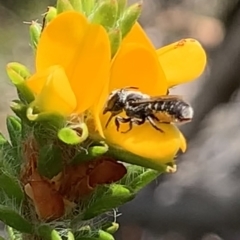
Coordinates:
[140,108]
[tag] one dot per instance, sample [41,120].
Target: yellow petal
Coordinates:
[56,94]
[97,110]
[182,61]
[137,65]
[137,35]
[60,39]
[146,141]
[89,70]
[37,81]
[82,49]
[183,146]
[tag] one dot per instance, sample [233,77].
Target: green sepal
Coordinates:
[121,7]
[89,154]
[50,120]
[115,37]
[14,128]
[51,14]
[11,187]
[13,219]
[110,227]
[63,5]
[105,235]
[18,74]
[77,5]
[50,161]
[105,14]
[134,159]
[129,18]
[87,6]
[48,233]
[71,136]
[106,199]
[35,33]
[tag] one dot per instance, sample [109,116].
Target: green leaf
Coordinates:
[50,161]
[144,179]
[48,233]
[130,17]
[14,130]
[111,197]
[13,219]
[9,157]
[11,187]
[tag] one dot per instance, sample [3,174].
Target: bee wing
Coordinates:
[157,98]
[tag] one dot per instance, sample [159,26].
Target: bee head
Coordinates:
[115,102]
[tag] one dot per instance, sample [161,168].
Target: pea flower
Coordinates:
[74,73]
[139,64]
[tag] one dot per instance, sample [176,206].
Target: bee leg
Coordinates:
[154,117]
[119,120]
[151,121]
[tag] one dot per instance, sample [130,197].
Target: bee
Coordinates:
[140,108]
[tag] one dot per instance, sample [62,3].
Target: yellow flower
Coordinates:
[138,64]
[74,73]
[72,64]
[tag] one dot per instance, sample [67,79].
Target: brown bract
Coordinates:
[51,198]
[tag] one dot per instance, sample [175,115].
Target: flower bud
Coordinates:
[18,73]
[77,5]
[130,17]
[102,235]
[19,109]
[115,37]
[63,5]
[106,13]
[35,32]
[51,14]
[121,7]
[88,6]
[111,227]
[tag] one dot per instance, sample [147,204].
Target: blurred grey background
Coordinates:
[202,200]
